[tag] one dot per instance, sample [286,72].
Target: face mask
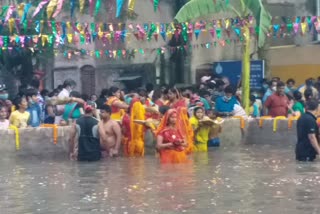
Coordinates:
[265,86]
[227,99]
[274,88]
[4,96]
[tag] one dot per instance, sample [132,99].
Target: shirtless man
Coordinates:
[109,132]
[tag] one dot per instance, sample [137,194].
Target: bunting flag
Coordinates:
[110,53]
[40,6]
[50,8]
[155,5]
[119,7]
[59,8]
[81,5]
[221,29]
[131,4]
[98,5]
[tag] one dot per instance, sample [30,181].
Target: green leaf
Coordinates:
[198,8]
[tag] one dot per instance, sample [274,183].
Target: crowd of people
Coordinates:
[181,121]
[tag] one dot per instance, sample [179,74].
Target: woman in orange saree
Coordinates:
[117,106]
[176,101]
[170,142]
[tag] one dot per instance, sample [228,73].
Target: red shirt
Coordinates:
[277,105]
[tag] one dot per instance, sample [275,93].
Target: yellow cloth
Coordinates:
[136,144]
[117,113]
[19,120]
[202,135]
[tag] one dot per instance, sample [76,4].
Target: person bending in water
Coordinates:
[109,132]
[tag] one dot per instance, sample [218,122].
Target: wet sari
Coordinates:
[116,112]
[201,136]
[176,154]
[137,131]
[183,123]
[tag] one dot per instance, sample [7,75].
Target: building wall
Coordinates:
[301,60]
[109,70]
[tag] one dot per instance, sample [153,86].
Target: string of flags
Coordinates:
[54,7]
[122,53]
[53,33]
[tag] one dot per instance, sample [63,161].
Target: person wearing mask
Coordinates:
[272,88]
[307,146]
[278,103]
[68,86]
[225,104]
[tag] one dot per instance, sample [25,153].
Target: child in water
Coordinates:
[214,140]
[4,123]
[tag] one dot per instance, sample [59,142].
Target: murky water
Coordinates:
[242,179]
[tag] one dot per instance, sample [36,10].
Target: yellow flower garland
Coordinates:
[16,131]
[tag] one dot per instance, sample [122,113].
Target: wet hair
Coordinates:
[17,101]
[69,82]
[60,87]
[312,105]
[142,93]
[204,93]
[308,93]
[196,109]
[297,95]
[35,83]
[85,97]
[156,95]
[229,90]
[44,92]
[163,109]
[174,90]
[309,82]
[291,81]
[106,108]
[252,98]
[104,93]
[75,94]
[31,92]
[113,90]
[149,87]
[280,84]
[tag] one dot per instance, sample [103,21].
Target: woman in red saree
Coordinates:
[170,142]
[176,101]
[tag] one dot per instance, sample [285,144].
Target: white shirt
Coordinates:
[60,108]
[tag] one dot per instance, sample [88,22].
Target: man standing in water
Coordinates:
[86,128]
[308,133]
[109,132]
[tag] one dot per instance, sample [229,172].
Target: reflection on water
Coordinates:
[242,179]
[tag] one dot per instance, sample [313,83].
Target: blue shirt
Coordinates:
[225,106]
[35,114]
[268,93]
